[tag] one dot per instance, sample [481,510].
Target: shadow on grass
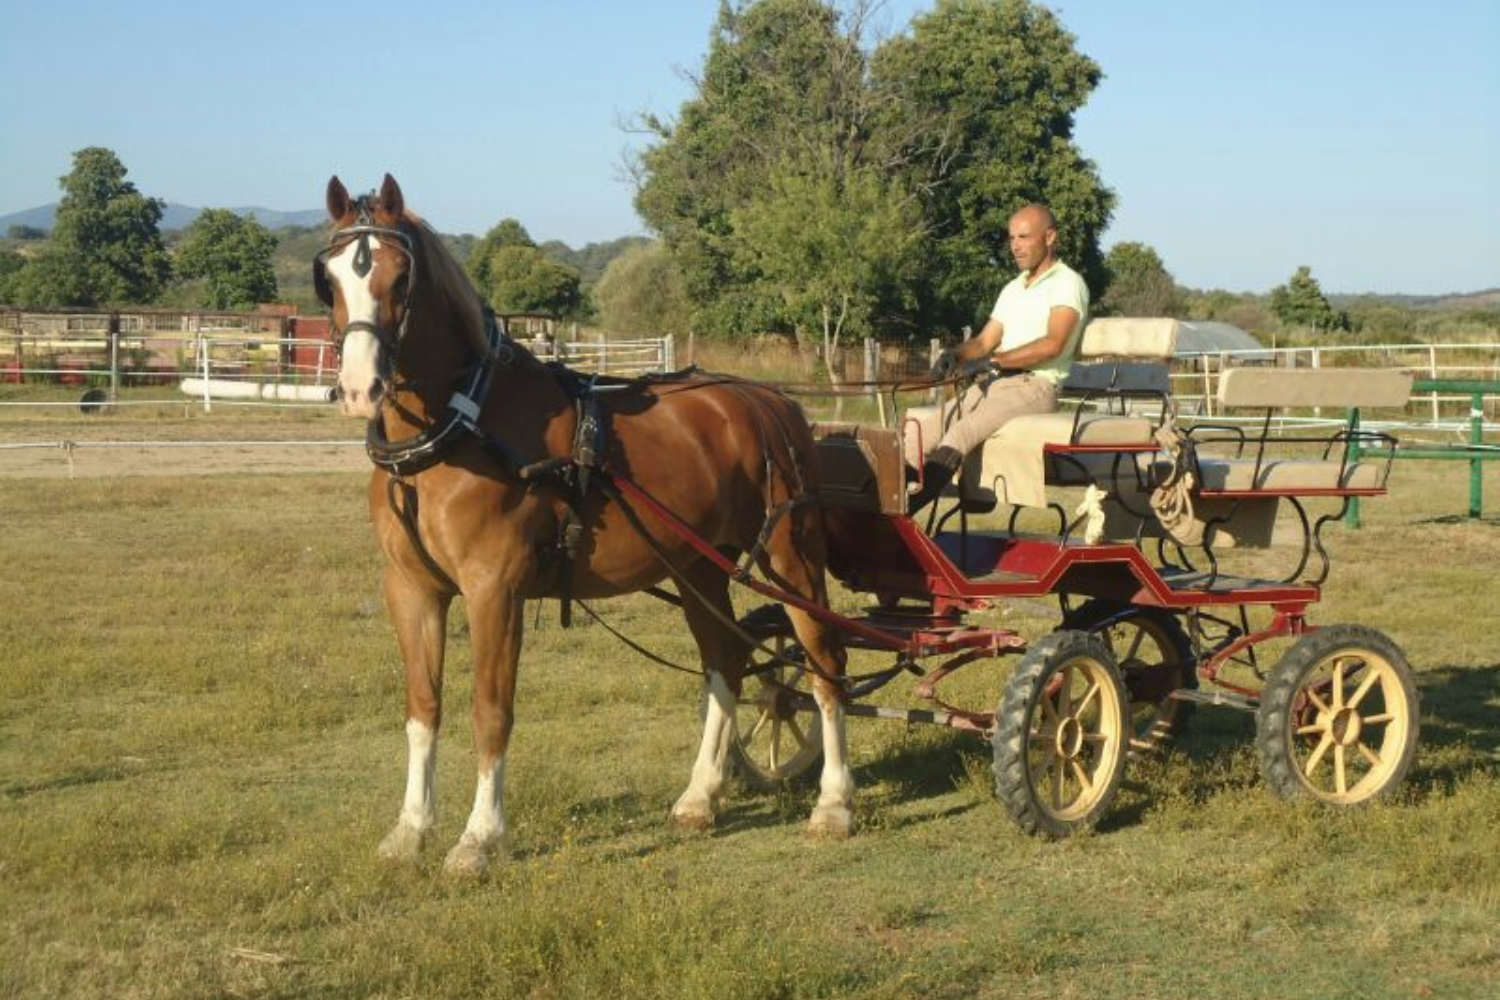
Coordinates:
[1489,522]
[1461,705]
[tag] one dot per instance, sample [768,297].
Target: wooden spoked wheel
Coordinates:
[775,737]
[1155,658]
[1338,717]
[1061,734]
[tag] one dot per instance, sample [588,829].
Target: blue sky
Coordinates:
[1242,140]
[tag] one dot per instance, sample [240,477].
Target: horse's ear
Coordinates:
[391,201]
[338,199]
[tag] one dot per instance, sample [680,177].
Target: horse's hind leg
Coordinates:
[796,560]
[723,656]
[420,616]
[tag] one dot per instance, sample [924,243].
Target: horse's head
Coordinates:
[366,276]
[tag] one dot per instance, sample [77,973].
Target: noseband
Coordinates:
[364,227]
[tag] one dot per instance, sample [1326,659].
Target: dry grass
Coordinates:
[200,744]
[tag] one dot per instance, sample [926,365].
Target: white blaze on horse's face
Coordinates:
[359,370]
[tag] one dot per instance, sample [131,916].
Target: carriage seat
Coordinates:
[1337,473]
[1112,404]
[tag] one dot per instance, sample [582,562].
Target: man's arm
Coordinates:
[982,343]
[1060,323]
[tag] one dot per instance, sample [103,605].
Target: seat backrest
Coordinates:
[1103,377]
[859,467]
[1128,337]
[1266,388]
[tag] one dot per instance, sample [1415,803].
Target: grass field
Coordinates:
[200,745]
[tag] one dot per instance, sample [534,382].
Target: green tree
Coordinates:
[988,90]
[1300,302]
[521,279]
[1139,283]
[11,265]
[20,232]
[829,239]
[233,255]
[968,117]
[784,85]
[505,233]
[106,246]
[641,291]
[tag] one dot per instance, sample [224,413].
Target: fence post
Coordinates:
[872,375]
[669,353]
[1476,467]
[934,348]
[1317,362]
[1208,385]
[1351,516]
[208,406]
[1432,373]
[114,357]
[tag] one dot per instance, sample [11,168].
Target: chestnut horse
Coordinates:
[456,410]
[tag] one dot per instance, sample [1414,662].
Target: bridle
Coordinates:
[461,417]
[364,227]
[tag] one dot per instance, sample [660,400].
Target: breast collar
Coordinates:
[411,455]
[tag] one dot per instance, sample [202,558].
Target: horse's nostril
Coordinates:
[374,392]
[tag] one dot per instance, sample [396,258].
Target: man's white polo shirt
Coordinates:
[1023,312]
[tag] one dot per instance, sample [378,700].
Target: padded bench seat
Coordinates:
[1284,477]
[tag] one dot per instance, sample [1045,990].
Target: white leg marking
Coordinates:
[833,814]
[697,805]
[484,834]
[418,809]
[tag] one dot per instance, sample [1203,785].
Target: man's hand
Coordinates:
[946,364]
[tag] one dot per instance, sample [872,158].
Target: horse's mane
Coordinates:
[449,282]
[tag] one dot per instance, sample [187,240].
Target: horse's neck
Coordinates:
[524,398]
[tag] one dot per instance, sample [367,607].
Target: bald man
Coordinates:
[1033,330]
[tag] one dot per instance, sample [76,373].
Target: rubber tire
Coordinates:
[1011,729]
[1273,722]
[1089,616]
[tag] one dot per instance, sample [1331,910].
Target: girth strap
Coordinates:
[406,513]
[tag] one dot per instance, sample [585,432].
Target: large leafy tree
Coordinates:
[1004,80]
[516,276]
[106,246]
[829,239]
[233,256]
[957,125]
[783,100]
[1139,283]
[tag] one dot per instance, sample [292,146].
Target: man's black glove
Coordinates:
[946,363]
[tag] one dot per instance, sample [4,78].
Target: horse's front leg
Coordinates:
[420,615]
[723,656]
[495,617]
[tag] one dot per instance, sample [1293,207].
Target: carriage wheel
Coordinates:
[775,739]
[1060,735]
[1338,717]
[1155,657]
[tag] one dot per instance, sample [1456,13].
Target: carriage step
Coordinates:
[1226,698]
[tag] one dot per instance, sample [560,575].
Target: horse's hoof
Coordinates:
[695,816]
[470,858]
[833,822]
[403,843]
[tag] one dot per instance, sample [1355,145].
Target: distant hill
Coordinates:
[174,217]
[591,261]
[1488,298]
